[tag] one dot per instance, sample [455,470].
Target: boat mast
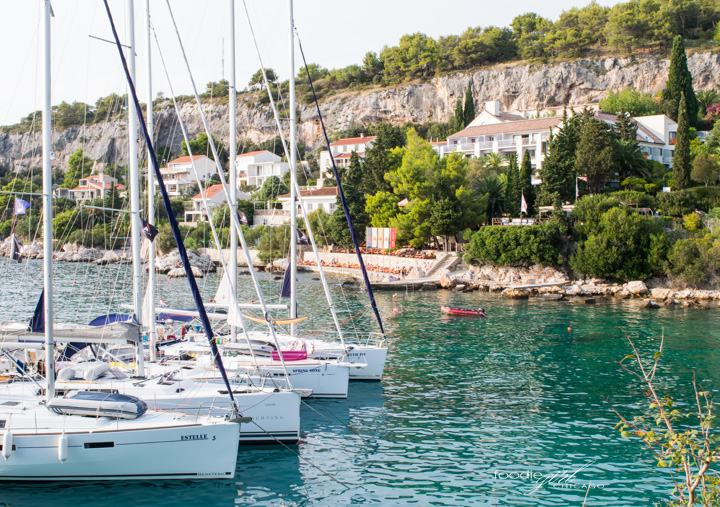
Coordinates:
[134,186]
[293,193]
[232,268]
[47,210]
[152,336]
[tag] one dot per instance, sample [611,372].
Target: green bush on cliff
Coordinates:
[695,260]
[623,245]
[501,245]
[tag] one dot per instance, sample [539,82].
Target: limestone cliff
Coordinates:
[514,85]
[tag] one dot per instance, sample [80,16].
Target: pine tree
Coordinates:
[459,119]
[558,168]
[626,127]
[469,113]
[526,187]
[512,195]
[354,173]
[680,81]
[681,161]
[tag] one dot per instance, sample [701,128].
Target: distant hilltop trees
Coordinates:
[637,26]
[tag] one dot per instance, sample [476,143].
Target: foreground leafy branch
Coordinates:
[682,441]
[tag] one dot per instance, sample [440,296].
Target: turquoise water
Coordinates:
[468,409]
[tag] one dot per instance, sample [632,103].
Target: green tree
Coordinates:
[511,204]
[558,169]
[382,208]
[681,160]
[257,78]
[354,173]
[445,218]
[530,31]
[707,98]
[218,89]
[469,111]
[201,146]
[385,155]
[271,189]
[621,247]
[79,166]
[626,127]
[525,185]
[680,82]
[494,190]
[595,154]
[459,117]
[705,168]
[630,159]
[632,102]
[338,228]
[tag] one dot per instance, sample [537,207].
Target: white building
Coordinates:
[341,151]
[214,196]
[503,133]
[92,187]
[179,175]
[322,198]
[254,167]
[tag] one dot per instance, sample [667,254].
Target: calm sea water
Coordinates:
[471,411]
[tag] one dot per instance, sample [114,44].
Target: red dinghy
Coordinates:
[463,311]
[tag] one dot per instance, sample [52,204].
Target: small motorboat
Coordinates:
[463,311]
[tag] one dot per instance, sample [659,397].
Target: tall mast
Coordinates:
[47,210]
[293,194]
[150,312]
[134,184]
[232,267]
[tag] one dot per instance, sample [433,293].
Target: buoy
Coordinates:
[63,448]
[7,443]
[569,330]
[395,311]
[74,281]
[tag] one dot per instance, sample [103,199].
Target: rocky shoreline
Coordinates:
[510,282]
[552,284]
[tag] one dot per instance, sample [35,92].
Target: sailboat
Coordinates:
[48,439]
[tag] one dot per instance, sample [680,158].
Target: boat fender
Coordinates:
[7,443]
[63,448]
[95,372]
[66,374]
[310,347]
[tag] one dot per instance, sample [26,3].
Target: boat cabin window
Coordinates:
[2,423]
[11,403]
[98,445]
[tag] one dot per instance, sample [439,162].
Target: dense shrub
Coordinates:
[634,197]
[695,260]
[676,204]
[588,211]
[521,245]
[625,245]
[706,197]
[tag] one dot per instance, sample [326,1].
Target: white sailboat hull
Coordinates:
[51,447]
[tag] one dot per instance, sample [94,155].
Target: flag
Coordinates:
[162,302]
[302,238]
[15,248]
[584,178]
[242,217]
[523,204]
[577,189]
[21,206]
[148,229]
[285,290]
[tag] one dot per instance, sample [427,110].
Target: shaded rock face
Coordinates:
[514,85]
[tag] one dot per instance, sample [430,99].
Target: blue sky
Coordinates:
[335,33]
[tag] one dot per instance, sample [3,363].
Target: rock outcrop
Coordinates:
[515,85]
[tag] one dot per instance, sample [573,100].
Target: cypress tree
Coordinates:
[680,81]
[459,119]
[681,161]
[512,192]
[525,183]
[469,113]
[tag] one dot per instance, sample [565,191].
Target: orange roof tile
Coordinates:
[250,153]
[353,140]
[210,192]
[184,160]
